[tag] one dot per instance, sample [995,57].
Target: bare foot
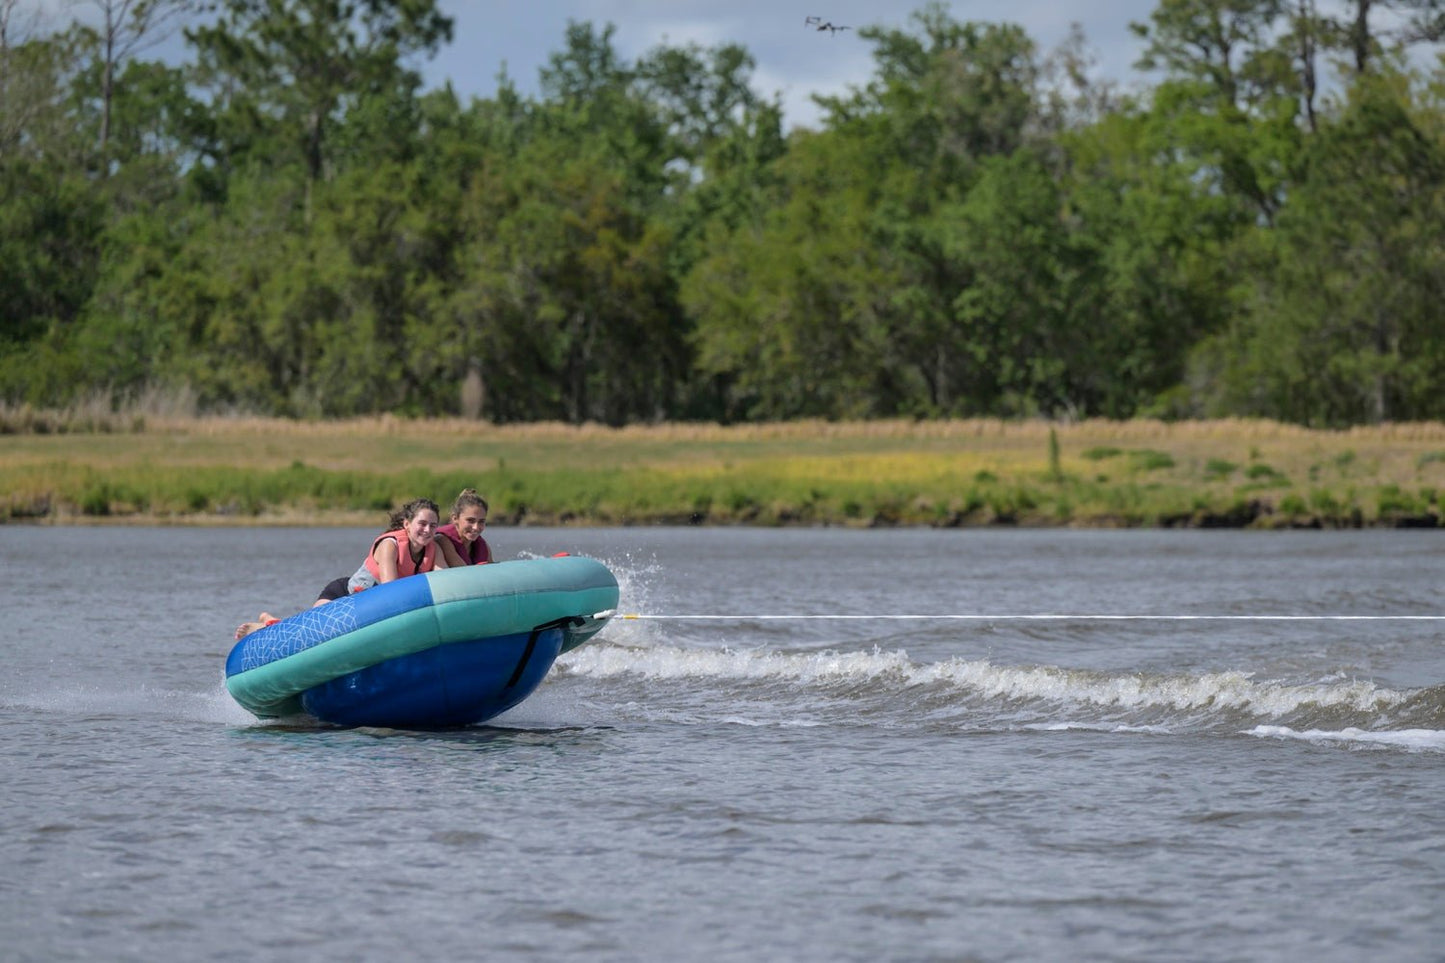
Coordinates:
[246,628]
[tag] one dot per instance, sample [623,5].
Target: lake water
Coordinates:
[757,786]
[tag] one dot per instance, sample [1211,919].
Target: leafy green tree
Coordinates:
[566,302]
[701,95]
[1157,242]
[720,137]
[1018,314]
[288,225]
[50,225]
[1227,98]
[945,93]
[854,277]
[283,73]
[947,98]
[789,309]
[1345,328]
[50,220]
[127,27]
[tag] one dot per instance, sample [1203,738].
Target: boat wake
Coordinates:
[886,687]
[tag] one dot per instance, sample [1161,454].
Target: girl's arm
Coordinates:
[385,555]
[447,554]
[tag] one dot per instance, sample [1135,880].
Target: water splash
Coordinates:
[144,701]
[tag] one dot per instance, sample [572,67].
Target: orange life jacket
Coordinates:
[404,564]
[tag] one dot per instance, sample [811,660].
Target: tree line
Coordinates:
[287,223]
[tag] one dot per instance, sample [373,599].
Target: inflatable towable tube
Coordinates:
[447,648]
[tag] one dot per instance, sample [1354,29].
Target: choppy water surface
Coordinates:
[751,787]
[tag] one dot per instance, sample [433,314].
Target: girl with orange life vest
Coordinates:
[408,548]
[461,539]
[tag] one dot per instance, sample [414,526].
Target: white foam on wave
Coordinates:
[1212,691]
[1430,740]
[669,662]
[1216,690]
[1112,728]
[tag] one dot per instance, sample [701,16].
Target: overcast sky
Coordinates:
[792,60]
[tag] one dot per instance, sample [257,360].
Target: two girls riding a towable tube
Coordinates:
[410,547]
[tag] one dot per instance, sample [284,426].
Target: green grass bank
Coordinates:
[226,471]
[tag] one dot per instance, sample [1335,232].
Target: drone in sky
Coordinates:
[820,24]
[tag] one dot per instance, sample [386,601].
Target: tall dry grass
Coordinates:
[163,463]
[104,412]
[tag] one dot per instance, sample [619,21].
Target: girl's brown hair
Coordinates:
[468,499]
[408,511]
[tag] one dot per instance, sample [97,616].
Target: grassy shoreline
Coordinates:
[254,471]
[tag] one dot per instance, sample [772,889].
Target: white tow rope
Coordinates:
[1042,617]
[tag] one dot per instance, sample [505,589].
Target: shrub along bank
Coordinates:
[952,473]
